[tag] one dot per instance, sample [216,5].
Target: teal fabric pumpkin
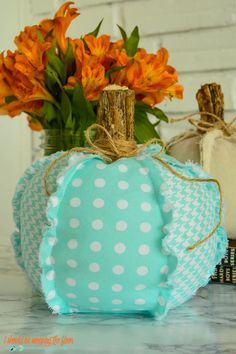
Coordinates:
[116,238]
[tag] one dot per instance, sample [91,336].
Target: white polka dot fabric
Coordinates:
[115,235]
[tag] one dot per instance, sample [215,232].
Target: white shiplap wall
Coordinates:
[200,36]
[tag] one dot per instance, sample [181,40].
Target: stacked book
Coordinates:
[225,271]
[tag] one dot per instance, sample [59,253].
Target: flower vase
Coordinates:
[53,140]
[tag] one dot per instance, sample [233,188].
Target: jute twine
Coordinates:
[202,126]
[111,149]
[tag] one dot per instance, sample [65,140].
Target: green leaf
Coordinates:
[69,60]
[143,129]
[10,99]
[76,104]
[97,29]
[82,111]
[131,44]
[112,70]
[70,124]
[66,111]
[49,111]
[82,106]
[52,80]
[157,112]
[157,123]
[123,33]
[55,62]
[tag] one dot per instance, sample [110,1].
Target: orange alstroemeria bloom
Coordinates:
[99,48]
[151,78]
[19,82]
[60,24]
[89,69]
[30,43]
[117,54]
[80,55]
[15,108]
[5,89]
[22,73]
[93,80]
[120,59]
[174,91]
[119,44]
[34,125]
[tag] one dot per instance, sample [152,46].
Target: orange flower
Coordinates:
[22,73]
[98,47]
[37,93]
[5,89]
[117,57]
[20,83]
[93,80]
[12,109]
[119,44]
[146,70]
[29,43]
[61,22]
[120,59]
[174,91]
[89,69]
[80,55]
[15,108]
[151,78]
[34,124]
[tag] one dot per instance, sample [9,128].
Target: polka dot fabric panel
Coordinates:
[112,240]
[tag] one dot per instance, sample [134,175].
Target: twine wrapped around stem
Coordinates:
[205,126]
[202,126]
[114,148]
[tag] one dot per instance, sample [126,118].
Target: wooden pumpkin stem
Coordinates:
[210,99]
[116,114]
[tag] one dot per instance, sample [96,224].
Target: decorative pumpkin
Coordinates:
[139,234]
[213,146]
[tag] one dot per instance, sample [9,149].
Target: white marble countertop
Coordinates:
[205,324]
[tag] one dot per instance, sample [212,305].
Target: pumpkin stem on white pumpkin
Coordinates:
[211,100]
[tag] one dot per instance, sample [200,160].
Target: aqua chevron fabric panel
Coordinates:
[115,238]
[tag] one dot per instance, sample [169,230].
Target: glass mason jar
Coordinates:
[53,140]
